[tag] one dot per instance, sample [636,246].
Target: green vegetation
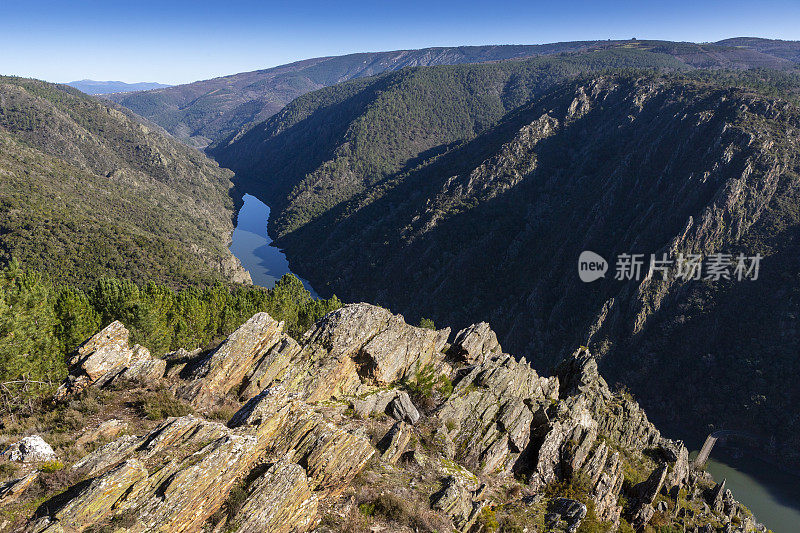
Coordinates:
[41,323]
[89,191]
[330,145]
[426,323]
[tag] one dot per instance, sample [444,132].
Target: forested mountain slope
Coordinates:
[491,226]
[205,111]
[89,190]
[327,146]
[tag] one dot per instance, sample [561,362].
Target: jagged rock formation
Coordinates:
[107,356]
[318,448]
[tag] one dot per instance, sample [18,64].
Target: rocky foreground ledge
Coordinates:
[366,424]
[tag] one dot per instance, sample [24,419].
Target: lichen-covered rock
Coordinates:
[13,489]
[331,455]
[97,501]
[180,473]
[455,499]
[143,367]
[649,488]
[29,449]
[107,430]
[106,357]
[261,408]
[280,501]
[363,343]
[375,403]
[474,343]
[107,352]
[492,409]
[225,369]
[565,514]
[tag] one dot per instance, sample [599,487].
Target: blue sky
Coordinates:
[181,41]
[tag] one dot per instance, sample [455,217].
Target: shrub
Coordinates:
[426,323]
[49,467]
[162,404]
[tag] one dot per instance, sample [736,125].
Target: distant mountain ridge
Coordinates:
[203,112]
[107,87]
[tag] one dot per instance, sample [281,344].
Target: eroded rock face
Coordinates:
[225,369]
[456,500]
[394,443]
[11,490]
[30,449]
[492,409]
[566,515]
[173,478]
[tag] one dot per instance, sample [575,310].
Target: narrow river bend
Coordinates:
[253,247]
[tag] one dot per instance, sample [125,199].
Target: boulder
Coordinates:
[30,449]
[401,408]
[375,403]
[100,359]
[565,514]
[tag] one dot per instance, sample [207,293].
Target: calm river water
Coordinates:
[254,248]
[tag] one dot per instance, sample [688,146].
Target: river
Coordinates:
[768,490]
[253,247]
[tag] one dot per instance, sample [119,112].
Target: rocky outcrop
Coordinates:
[173,478]
[492,409]
[29,449]
[106,357]
[474,343]
[105,431]
[11,490]
[456,500]
[226,368]
[565,514]
[394,443]
[291,455]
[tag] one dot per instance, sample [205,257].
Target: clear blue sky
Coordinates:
[182,41]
